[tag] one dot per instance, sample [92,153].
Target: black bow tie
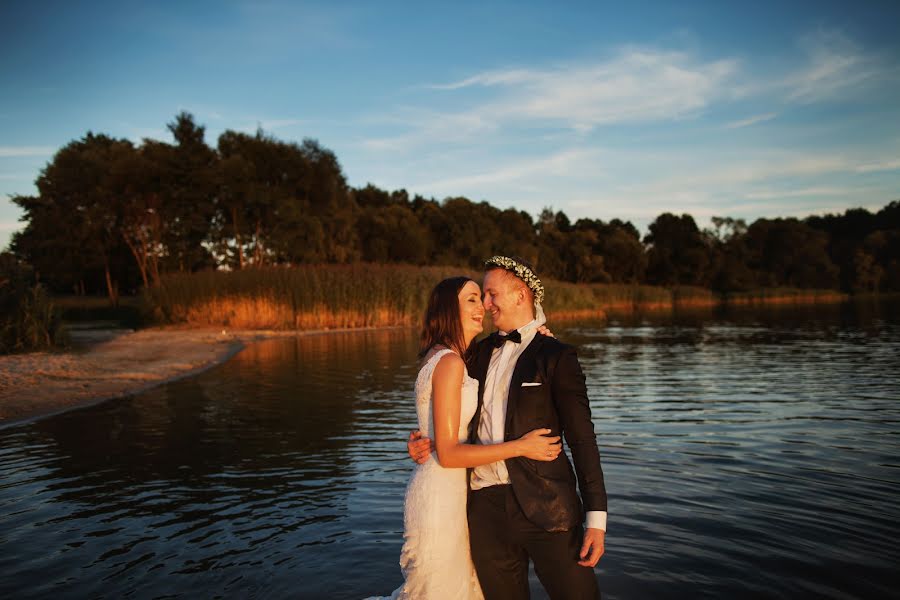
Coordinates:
[498,340]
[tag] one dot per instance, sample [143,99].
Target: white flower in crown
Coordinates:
[520,271]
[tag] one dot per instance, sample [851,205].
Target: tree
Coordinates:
[190,194]
[330,200]
[787,252]
[619,245]
[678,254]
[433,219]
[393,234]
[79,210]
[515,235]
[845,235]
[470,231]
[880,268]
[551,241]
[138,179]
[726,229]
[259,178]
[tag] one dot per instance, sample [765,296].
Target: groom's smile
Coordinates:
[502,299]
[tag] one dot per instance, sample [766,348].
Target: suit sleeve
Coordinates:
[570,397]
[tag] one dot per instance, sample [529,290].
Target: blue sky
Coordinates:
[600,109]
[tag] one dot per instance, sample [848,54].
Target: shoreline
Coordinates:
[37,385]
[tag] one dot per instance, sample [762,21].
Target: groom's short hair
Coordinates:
[528,293]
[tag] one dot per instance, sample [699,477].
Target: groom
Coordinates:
[521,509]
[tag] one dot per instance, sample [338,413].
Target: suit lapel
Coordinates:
[526,360]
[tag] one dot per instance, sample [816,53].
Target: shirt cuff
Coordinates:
[596,519]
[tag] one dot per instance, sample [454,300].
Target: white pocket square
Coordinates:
[531,384]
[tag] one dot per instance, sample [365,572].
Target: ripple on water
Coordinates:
[749,456]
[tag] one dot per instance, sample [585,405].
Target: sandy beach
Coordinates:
[43,383]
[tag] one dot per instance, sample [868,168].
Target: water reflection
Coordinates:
[741,450]
[237,471]
[747,454]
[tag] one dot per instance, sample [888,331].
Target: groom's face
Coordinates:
[502,298]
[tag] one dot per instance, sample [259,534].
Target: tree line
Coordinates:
[112,216]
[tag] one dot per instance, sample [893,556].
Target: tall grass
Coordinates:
[302,297]
[783,296]
[582,300]
[28,319]
[371,295]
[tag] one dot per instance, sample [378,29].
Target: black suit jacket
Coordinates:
[546,490]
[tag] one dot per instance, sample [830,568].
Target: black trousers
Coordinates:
[503,540]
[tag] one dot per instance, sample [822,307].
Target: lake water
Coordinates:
[752,454]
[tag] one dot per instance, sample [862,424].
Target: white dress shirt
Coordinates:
[491,428]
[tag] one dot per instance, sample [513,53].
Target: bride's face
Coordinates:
[471,311]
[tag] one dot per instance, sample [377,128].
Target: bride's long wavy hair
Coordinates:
[443,322]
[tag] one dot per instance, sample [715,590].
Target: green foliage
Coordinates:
[114,216]
[678,253]
[28,320]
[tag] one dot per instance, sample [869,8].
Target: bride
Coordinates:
[435,559]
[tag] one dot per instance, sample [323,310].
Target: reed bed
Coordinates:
[301,297]
[580,300]
[774,296]
[372,295]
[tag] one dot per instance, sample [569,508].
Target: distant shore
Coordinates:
[118,364]
[40,384]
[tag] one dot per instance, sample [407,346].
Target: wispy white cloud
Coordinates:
[523,173]
[763,187]
[719,178]
[750,121]
[769,194]
[777,207]
[890,165]
[489,78]
[835,64]
[785,183]
[21,151]
[433,129]
[637,85]
[705,204]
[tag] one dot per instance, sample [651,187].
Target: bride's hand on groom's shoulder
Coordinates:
[544,330]
[419,448]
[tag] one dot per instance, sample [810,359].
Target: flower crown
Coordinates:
[520,271]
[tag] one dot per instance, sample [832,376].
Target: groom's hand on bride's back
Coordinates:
[419,448]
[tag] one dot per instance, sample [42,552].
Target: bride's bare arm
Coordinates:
[447,387]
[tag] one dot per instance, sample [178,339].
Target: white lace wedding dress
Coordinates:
[435,560]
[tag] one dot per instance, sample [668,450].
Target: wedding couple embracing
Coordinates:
[492,488]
